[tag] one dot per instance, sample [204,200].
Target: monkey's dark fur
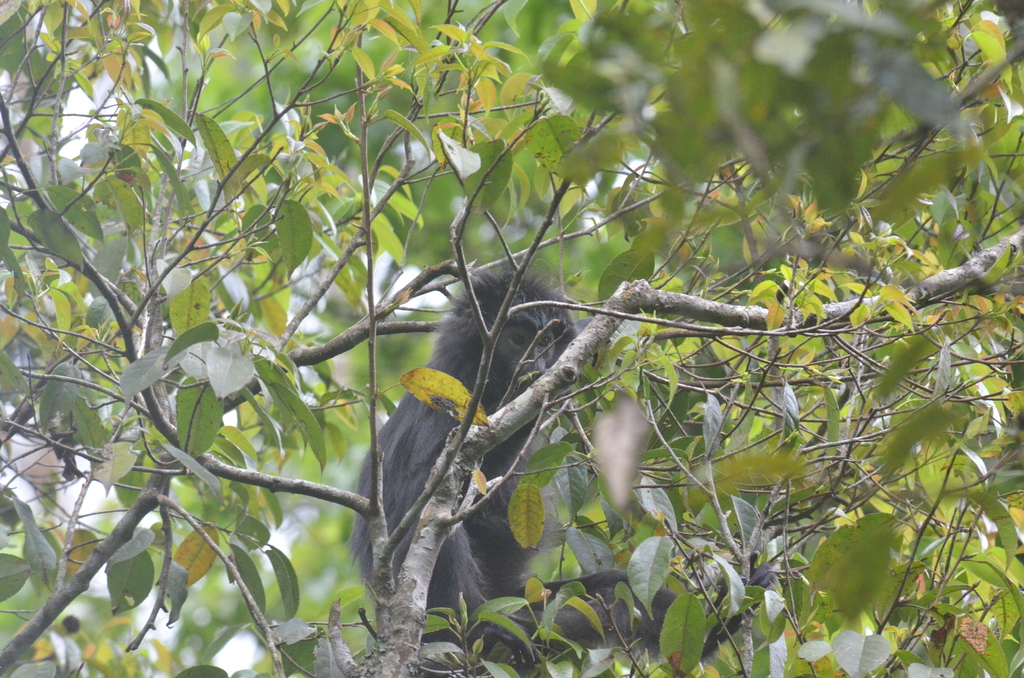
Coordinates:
[481,559]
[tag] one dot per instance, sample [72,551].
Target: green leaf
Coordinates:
[217,145]
[314,434]
[207,331]
[79,210]
[499,670]
[10,376]
[250,576]
[386,238]
[171,172]
[295,233]
[859,655]
[713,420]
[252,163]
[14,572]
[505,623]
[58,397]
[170,118]
[139,542]
[37,550]
[549,139]
[682,633]
[203,671]
[195,467]
[128,203]
[648,567]
[496,165]
[191,307]
[228,369]
[200,416]
[118,459]
[177,590]
[56,236]
[526,513]
[832,414]
[7,254]
[465,162]
[591,553]
[89,429]
[851,564]
[287,581]
[544,464]
[144,372]
[626,267]
[403,122]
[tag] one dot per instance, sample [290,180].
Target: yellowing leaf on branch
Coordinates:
[442,392]
[526,515]
[195,555]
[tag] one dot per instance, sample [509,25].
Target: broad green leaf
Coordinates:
[139,542]
[496,166]
[203,671]
[128,202]
[56,236]
[626,267]
[58,397]
[287,581]
[118,460]
[549,139]
[591,552]
[143,373]
[465,162]
[37,550]
[14,572]
[200,417]
[648,567]
[250,576]
[544,463]
[129,582]
[206,331]
[682,633]
[217,145]
[190,463]
[850,564]
[860,655]
[192,307]
[170,118]
[228,369]
[295,233]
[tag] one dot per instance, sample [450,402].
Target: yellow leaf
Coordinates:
[481,481]
[83,543]
[442,392]
[899,313]
[776,315]
[365,63]
[534,591]
[588,613]
[195,555]
[526,515]
[487,94]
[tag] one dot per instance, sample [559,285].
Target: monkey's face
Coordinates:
[527,348]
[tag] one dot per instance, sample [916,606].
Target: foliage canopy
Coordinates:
[223,228]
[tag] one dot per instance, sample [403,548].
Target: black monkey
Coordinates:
[481,559]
